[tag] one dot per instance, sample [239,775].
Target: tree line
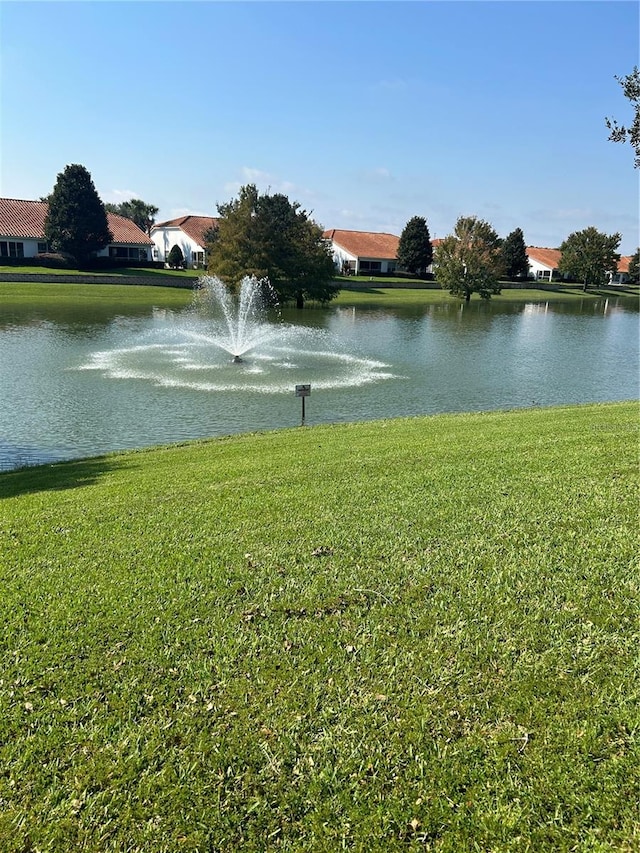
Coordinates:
[269,236]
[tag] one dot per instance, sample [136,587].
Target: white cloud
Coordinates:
[267,182]
[118,196]
[176,212]
[379,174]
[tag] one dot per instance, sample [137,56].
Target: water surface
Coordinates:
[76,384]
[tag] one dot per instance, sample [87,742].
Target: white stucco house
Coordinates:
[187,232]
[22,233]
[544,263]
[621,275]
[363,252]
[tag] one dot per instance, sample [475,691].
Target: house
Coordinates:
[543,263]
[22,232]
[363,252]
[187,232]
[621,276]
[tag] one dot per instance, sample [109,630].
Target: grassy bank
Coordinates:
[405,635]
[20,294]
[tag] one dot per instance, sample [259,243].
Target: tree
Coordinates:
[270,237]
[76,220]
[470,260]
[137,211]
[175,258]
[415,252]
[634,267]
[620,133]
[514,255]
[589,256]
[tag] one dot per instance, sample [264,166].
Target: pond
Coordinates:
[74,384]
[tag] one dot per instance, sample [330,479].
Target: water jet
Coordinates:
[199,349]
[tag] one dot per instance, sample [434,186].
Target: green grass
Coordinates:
[418,634]
[42,296]
[148,272]
[378,294]
[56,295]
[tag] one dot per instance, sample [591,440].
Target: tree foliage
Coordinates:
[589,256]
[137,211]
[620,132]
[415,252]
[270,237]
[634,267]
[175,258]
[76,221]
[514,255]
[470,260]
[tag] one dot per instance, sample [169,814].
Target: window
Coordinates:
[124,252]
[370,266]
[42,247]
[10,249]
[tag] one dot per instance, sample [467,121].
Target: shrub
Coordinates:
[61,260]
[175,258]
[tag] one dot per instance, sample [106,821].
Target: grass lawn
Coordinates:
[419,634]
[42,296]
[50,294]
[149,272]
[398,296]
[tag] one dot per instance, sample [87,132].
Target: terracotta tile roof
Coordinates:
[193,226]
[126,231]
[547,257]
[25,219]
[365,244]
[19,218]
[551,258]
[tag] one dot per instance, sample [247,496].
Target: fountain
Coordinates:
[239,321]
[230,342]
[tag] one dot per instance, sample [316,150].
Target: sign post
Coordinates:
[303,391]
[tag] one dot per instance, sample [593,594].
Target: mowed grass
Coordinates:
[58,295]
[419,634]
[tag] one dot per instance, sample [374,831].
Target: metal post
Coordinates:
[303,391]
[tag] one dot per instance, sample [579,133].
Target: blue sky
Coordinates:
[367,113]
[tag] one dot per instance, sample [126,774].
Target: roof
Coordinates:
[193,226]
[20,218]
[126,231]
[551,258]
[547,257]
[365,244]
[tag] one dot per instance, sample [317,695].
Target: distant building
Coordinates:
[363,252]
[544,263]
[621,276]
[22,233]
[187,232]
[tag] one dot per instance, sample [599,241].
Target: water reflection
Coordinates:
[444,357]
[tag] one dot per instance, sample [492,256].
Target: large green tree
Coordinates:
[589,256]
[514,255]
[634,267]
[138,211]
[470,260]
[76,220]
[271,237]
[623,133]
[415,252]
